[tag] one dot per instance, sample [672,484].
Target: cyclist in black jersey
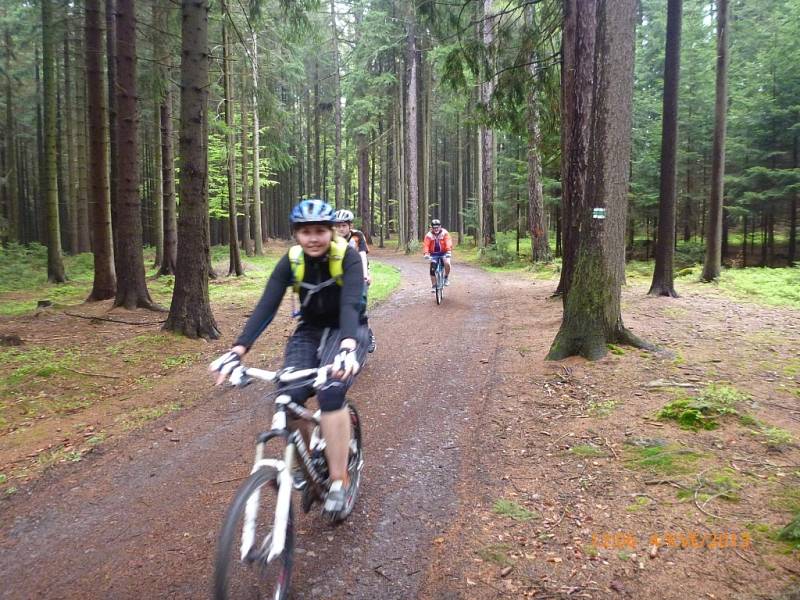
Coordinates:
[329,279]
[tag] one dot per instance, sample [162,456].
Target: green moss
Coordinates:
[702,411]
[667,460]
[496,553]
[586,450]
[509,508]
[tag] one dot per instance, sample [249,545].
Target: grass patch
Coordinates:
[602,409]
[638,504]
[666,460]
[615,349]
[182,360]
[385,279]
[509,508]
[587,450]
[775,438]
[496,553]
[702,411]
[791,532]
[144,415]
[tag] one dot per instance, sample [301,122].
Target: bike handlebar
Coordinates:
[240,375]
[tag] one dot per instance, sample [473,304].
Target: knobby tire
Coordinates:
[235,578]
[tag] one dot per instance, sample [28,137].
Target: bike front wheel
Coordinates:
[252,576]
[439,287]
[355,462]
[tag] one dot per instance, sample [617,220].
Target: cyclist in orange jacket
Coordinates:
[437,243]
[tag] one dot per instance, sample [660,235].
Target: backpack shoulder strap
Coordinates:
[336,258]
[298,264]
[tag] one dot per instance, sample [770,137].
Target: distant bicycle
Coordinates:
[259,563]
[439,275]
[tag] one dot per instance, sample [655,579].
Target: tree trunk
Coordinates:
[190,311]
[258,235]
[363,180]
[460,181]
[160,58]
[540,247]
[12,185]
[235,262]
[663,276]
[247,238]
[105,279]
[55,263]
[578,48]
[70,145]
[713,258]
[129,262]
[169,216]
[411,142]
[487,134]
[337,110]
[111,81]
[592,316]
[82,190]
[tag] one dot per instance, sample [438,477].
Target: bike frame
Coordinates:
[295,446]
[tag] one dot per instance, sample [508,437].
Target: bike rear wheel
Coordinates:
[253,576]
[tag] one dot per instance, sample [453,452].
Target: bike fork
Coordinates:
[277,539]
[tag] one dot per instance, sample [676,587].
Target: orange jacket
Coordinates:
[445,242]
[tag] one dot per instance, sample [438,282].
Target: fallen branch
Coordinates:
[92,374]
[114,320]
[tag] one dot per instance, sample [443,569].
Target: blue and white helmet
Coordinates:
[311,211]
[343,216]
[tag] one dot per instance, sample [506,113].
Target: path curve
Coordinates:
[140,519]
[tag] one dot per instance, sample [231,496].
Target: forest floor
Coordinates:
[490,472]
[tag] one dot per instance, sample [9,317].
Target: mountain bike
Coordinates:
[439,275]
[258,563]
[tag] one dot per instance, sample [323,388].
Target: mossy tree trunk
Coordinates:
[592,317]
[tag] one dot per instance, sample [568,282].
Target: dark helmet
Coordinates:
[311,211]
[436,223]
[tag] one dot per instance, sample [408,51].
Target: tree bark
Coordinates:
[235,262]
[592,315]
[411,142]
[111,81]
[82,190]
[337,110]
[190,311]
[70,145]
[129,261]
[258,231]
[104,285]
[578,47]
[487,140]
[55,263]
[170,216]
[12,184]
[713,259]
[540,247]
[663,276]
[247,238]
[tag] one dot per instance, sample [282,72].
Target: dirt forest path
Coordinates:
[140,519]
